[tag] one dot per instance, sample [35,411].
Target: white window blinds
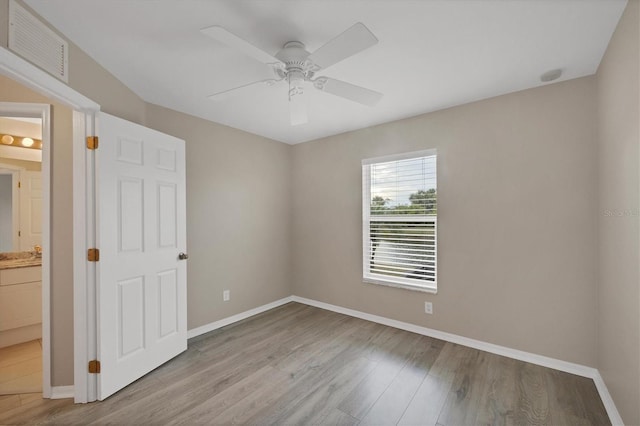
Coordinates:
[400,220]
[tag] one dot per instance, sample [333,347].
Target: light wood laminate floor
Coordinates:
[21,368]
[301,365]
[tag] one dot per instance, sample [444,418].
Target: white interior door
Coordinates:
[9,209]
[141,282]
[30,210]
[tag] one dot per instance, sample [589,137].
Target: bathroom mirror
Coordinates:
[20,183]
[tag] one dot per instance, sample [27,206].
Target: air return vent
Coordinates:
[35,42]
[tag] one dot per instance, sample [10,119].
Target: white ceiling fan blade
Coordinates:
[229,39]
[225,94]
[298,109]
[347,91]
[354,40]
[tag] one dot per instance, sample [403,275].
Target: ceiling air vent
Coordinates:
[37,43]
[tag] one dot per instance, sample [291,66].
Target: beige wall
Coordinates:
[20,128]
[238,215]
[61,229]
[33,166]
[618,216]
[516,237]
[89,78]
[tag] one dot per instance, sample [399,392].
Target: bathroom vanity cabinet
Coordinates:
[20,304]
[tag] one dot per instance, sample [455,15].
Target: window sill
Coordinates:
[399,285]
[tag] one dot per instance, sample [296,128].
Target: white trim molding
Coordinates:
[544,361]
[84,303]
[62,392]
[16,68]
[25,73]
[607,400]
[541,360]
[235,318]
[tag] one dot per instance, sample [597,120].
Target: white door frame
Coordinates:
[25,73]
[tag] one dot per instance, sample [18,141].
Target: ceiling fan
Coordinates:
[297,67]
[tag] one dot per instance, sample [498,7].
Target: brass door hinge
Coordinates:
[93,255]
[19,184]
[94,366]
[19,233]
[92,142]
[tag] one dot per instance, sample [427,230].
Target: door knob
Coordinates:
[183,256]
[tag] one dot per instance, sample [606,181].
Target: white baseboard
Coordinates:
[609,405]
[62,392]
[544,361]
[235,318]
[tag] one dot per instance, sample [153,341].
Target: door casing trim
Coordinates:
[27,74]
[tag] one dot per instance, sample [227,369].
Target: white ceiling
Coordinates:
[431,54]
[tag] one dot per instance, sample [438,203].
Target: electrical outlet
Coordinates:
[226,295]
[428,307]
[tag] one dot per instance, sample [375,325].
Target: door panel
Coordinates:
[130,214]
[131,316]
[167,225]
[30,210]
[167,303]
[141,229]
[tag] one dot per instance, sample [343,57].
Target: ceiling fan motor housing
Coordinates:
[297,68]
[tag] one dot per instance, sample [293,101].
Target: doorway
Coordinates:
[82,236]
[21,370]
[24,237]
[81,336]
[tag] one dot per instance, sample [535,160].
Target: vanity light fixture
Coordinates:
[21,141]
[27,142]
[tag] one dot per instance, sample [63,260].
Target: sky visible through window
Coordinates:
[395,181]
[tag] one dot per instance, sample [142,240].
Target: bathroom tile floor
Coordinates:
[21,369]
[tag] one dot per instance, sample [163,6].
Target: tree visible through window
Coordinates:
[399,220]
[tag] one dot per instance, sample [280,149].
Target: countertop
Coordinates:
[22,259]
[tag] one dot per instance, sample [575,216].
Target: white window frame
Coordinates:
[369,277]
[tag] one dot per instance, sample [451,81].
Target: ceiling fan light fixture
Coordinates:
[295,78]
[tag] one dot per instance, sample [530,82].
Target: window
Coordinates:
[400,220]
